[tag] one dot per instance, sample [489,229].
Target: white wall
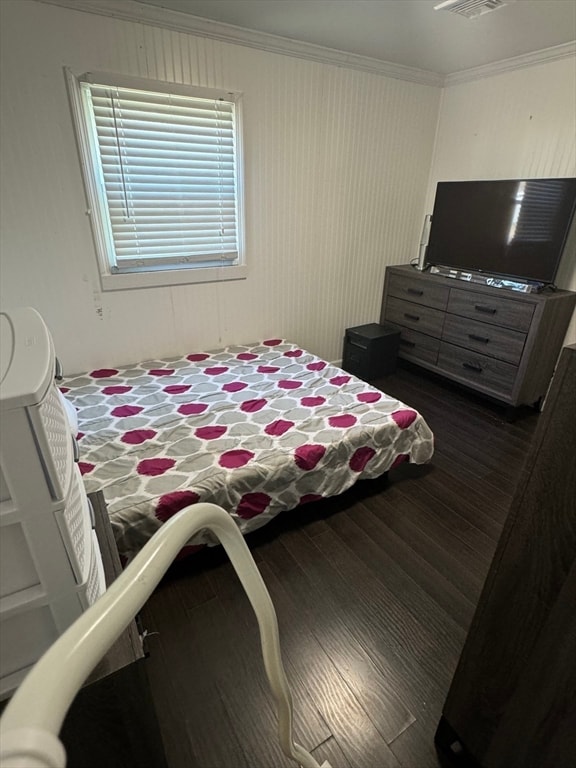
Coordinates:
[336,163]
[520,124]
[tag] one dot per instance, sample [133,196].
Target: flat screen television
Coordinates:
[510,228]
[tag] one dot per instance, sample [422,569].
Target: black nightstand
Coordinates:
[370,350]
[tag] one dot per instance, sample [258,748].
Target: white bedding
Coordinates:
[256,429]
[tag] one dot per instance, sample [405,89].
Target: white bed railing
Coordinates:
[32,720]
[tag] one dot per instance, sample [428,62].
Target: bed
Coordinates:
[256,429]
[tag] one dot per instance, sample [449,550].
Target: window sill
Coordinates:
[131,280]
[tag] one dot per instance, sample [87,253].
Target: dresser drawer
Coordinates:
[75,522]
[418,347]
[496,310]
[478,370]
[53,436]
[501,343]
[419,290]
[415,316]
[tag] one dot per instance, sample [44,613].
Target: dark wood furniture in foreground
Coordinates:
[512,702]
[499,342]
[112,721]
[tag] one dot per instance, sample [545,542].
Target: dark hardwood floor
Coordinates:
[374,592]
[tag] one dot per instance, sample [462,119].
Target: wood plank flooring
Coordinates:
[374,592]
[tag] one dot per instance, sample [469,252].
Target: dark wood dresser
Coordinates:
[499,342]
[512,702]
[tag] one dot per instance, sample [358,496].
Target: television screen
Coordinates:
[513,228]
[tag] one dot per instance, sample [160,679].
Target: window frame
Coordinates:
[97,211]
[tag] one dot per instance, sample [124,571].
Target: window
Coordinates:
[161,165]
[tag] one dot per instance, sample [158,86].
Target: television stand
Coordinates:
[503,344]
[495,281]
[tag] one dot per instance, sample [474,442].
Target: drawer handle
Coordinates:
[474,337]
[58,370]
[414,291]
[75,450]
[486,310]
[472,367]
[411,317]
[356,344]
[406,343]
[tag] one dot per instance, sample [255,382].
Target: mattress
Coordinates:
[256,429]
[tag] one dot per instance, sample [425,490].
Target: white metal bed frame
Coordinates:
[33,718]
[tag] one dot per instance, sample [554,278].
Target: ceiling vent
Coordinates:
[471,9]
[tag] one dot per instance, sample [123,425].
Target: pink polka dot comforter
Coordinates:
[256,429]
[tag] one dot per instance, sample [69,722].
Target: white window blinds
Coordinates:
[168,177]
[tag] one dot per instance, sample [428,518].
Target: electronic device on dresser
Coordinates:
[503,344]
[50,564]
[508,233]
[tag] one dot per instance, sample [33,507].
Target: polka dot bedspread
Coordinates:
[256,429]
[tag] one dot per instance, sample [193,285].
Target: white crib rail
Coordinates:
[32,720]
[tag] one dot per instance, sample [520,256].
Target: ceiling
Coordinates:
[404,32]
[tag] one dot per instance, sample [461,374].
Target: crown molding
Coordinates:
[555,53]
[130,10]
